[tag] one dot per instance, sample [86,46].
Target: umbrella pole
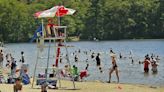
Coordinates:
[42,28]
[58,20]
[58,16]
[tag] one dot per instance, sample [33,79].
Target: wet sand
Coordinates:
[96,86]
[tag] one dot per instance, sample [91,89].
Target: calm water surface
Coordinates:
[129,73]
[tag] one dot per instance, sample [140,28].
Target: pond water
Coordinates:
[129,73]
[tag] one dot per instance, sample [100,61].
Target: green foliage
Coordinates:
[103,19]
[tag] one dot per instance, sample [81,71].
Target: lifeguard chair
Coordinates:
[42,46]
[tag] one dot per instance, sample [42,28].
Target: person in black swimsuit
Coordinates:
[114,68]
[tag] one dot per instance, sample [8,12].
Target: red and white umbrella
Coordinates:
[58,11]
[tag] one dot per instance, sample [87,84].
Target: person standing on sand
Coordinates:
[114,67]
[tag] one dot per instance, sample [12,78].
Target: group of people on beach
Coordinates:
[15,71]
[10,62]
[69,71]
[96,56]
[80,75]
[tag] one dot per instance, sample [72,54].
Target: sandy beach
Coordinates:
[66,86]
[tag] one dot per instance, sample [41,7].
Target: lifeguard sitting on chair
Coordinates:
[51,32]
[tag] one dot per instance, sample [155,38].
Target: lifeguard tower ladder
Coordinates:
[41,59]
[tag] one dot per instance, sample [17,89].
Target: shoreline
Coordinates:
[95,86]
[72,39]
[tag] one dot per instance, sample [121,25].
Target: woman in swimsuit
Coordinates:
[114,68]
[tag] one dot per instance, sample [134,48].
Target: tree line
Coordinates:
[101,19]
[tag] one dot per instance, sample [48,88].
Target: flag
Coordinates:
[37,33]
